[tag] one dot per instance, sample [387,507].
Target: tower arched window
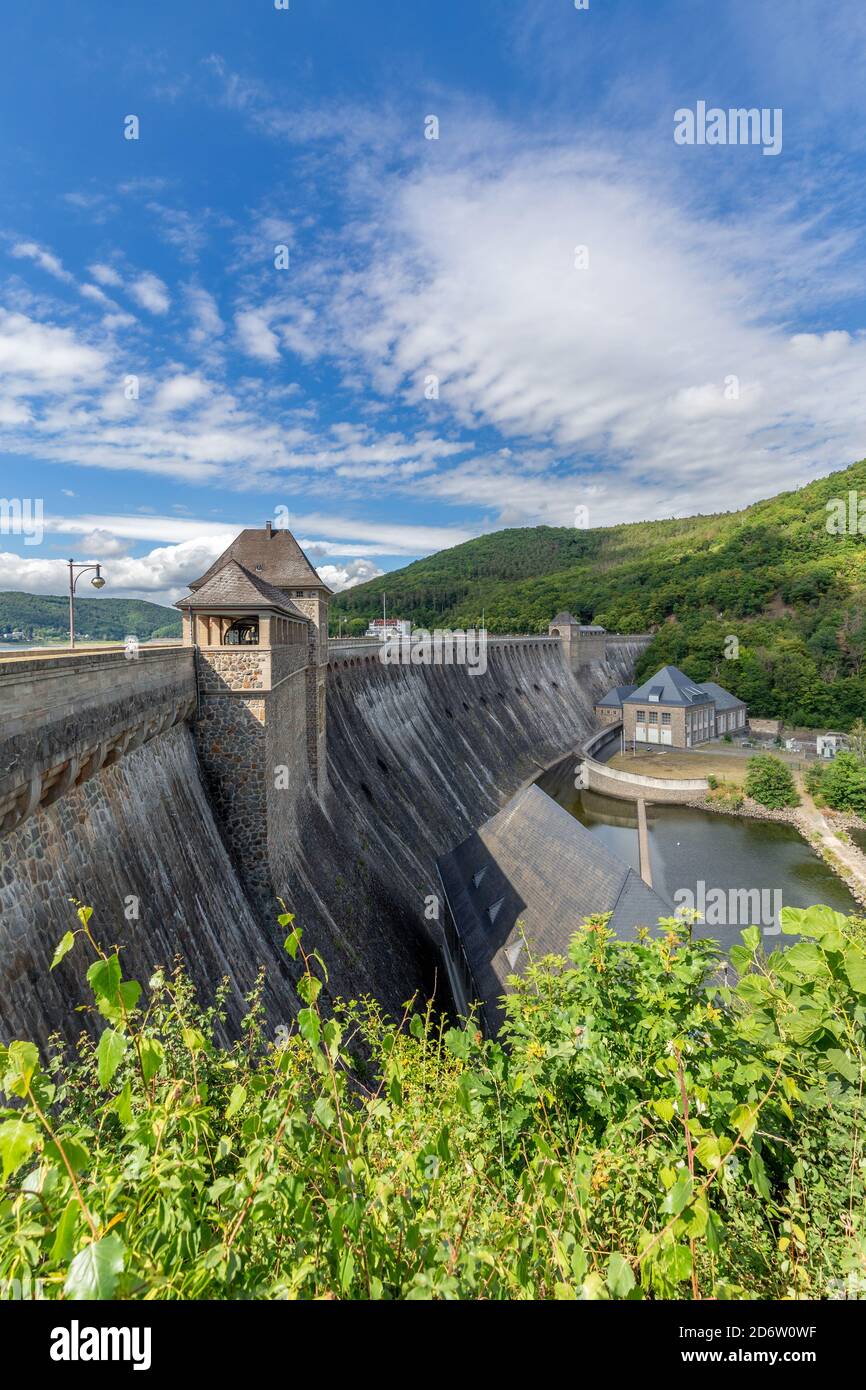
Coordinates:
[244,632]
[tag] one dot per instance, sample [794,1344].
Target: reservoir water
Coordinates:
[690,848]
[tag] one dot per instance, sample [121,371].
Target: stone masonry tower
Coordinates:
[581,643]
[261,657]
[274,555]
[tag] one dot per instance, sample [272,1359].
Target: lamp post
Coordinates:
[75,573]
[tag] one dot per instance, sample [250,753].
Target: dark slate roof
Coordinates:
[234,586]
[614,698]
[274,555]
[534,863]
[669,686]
[723,698]
[565,620]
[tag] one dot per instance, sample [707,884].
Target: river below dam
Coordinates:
[690,848]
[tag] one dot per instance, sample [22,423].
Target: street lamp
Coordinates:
[97,581]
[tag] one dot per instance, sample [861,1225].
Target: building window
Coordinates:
[641,716]
[653,719]
[666,719]
[244,632]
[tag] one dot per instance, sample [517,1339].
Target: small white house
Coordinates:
[386,628]
[828,745]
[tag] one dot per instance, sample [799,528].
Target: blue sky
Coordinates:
[437,360]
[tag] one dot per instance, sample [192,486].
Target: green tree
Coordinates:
[770,782]
[843,784]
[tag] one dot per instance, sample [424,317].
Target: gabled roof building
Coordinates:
[672,709]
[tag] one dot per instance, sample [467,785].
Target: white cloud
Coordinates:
[46,260]
[255,336]
[106,275]
[36,356]
[339,577]
[622,371]
[180,391]
[205,315]
[151,293]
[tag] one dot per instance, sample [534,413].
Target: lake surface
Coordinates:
[742,871]
[859,838]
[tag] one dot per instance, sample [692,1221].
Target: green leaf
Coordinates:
[109,1055]
[745,1118]
[77,1155]
[459,1042]
[293,940]
[620,1279]
[759,1175]
[664,1108]
[679,1195]
[64,946]
[680,1263]
[22,1060]
[715,1233]
[122,1105]
[193,1039]
[152,1056]
[236,1100]
[707,1152]
[308,1026]
[806,957]
[843,1064]
[93,1273]
[61,1250]
[324,1112]
[18,1139]
[855,969]
[130,992]
[309,988]
[104,978]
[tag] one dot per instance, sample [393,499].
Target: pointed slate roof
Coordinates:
[564,620]
[536,864]
[234,586]
[614,697]
[723,698]
[274,555]
[669,686]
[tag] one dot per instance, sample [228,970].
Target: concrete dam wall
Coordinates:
[417,758]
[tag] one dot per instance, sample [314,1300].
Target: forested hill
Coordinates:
[773,576]
[43,617]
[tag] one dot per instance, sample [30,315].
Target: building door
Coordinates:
[653,733]
[666,735]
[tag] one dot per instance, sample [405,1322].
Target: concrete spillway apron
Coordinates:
[646,870]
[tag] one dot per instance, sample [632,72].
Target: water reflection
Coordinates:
[700,853]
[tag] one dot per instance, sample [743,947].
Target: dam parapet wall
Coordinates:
[64,717]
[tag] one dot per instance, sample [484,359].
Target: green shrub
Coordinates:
[636,1131]
[770,782]
[843,783]
[712,782]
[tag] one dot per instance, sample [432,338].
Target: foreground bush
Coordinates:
[636,1131]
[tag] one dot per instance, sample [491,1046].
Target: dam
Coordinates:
[145,788]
